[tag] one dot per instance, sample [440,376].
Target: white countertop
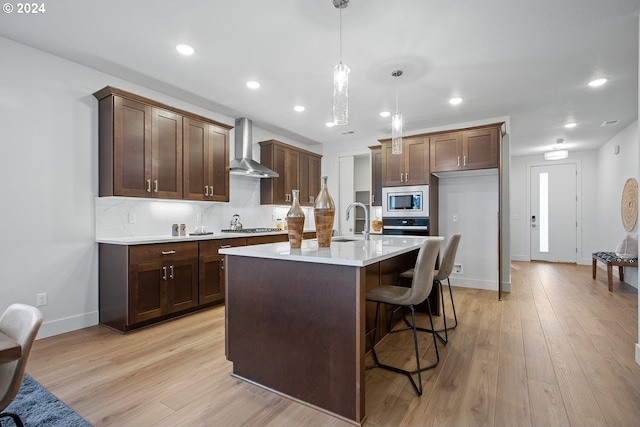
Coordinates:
[144,240]
[355,252]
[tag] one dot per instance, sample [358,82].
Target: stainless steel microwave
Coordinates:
[409,201]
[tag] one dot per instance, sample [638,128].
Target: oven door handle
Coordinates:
[406,227]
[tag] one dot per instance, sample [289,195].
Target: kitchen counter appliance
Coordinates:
[406,201]
[408,226]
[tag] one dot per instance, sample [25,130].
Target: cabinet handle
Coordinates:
[206,190]
[401,177]
[222,264]
[155,185]
[168,252]
[373,198]
[406,177]
[464,160]
[225,246]
[171,272]
[458,160]
[149,186]
[211,191]
[164,273]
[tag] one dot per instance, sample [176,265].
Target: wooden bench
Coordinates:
[611,259]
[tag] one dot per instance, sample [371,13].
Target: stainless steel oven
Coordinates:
[408,201]
[413,226]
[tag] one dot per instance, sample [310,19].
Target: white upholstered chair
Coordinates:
[21,323]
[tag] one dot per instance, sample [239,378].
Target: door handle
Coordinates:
[533,221]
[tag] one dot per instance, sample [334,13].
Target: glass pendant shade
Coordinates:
[396,134]
[340,94]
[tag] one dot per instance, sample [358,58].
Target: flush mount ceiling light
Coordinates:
[330,124]
[396,122]
[341,79]
[598,82]
[299,108]
[185,49]
[252,84]
[385,114]
[556,155]
[570,125]
[455,101]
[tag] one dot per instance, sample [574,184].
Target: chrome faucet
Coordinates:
[366,217]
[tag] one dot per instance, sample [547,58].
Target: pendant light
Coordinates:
[341,79]
[396,123]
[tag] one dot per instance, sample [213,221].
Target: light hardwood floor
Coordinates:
[557,351]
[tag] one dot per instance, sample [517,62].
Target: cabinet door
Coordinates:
[279,183]
[147,291]
[219,154]
[315,169]
[416,161]
[303,179]
[182,292]
[376,176]
[132,148]
[196,160]
[480,148]
[291,173]
[446,152]
[392,167]
[211,279]
[166,148]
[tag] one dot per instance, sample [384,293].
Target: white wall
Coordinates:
[49,148]
[613,172]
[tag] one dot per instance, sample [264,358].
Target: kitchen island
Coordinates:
[296,318]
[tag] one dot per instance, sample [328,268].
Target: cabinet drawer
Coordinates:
[162,252]
[259,240]
[211,247]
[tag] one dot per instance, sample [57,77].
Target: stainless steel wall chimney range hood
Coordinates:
[243,164]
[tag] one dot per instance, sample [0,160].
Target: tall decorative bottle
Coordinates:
[324,213]
[295,222]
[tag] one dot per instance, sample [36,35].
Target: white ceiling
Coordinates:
[527,59]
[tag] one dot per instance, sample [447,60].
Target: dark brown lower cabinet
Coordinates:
[145,284]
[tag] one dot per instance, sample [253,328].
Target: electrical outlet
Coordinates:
[132,218]
[41,299]
[457,268]
[199,217]
[455,217]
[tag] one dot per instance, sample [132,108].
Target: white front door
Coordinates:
[553,217]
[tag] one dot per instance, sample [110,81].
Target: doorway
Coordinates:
[553,217]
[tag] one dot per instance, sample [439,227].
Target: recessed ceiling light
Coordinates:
[385,114]
[252,84]
[570,125]
[598,82]
[455,101]
[185,49]
[299,108]
[330,124]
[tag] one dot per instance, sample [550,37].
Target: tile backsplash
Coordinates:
[137,217]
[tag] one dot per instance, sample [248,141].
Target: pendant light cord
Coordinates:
[341,34]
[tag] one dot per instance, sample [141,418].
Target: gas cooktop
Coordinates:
[251,230]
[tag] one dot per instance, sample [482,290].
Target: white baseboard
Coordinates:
[473,283]
[68,324]
[638,353]
[520,258]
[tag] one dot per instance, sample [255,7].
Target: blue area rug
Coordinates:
[39,408]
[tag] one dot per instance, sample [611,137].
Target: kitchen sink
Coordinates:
[341,239]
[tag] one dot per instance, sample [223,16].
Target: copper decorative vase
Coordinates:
[295,222]
[324,213]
